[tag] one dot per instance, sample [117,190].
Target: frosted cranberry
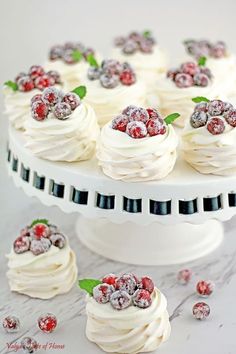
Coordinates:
[110,279]
[51,96]
[56,52]
[183,80]
[55,75]
[40,230]
[153,113]
[11,324]
[156,127]
[21,244]
[40,246]
[70,45]
[138,114]
[184,276]
[109,81]
[145,46]
[216,126]
[43,81]
[127,77]
[201,80]
[146,283]
[36,98]
[111,67]
[102,293]
[53,229]
[230,117]
[198,119]
[29,345]
[171,74]
[39,110]
[120,300]
[127,282]
[201,310]
[190,68]
[136,130]
[93,73]
[130,47]
[205,288]
[25,84]
[35,71]
[201,107]
[228,107]
[135,36]
[62,110]
[120,123]
[215,107]
[58,240]
[218,50]
[20,75]
[119,41]
[128,110]
[25,231]
[47,323]
[142,298]
[68,56]
[206,71]
[72,99]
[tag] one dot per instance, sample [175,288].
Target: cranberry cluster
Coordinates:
[111,73]
[214,115]
[38,238]
[67,52]
[205,48]
[190,74]
[135,42]
[36,78]
[139,122]
[124,291]
[55,101]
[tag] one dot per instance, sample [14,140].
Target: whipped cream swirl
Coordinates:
[124,158]
[132,330]
[73,139]
[43,276]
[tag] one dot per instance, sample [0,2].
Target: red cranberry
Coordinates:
[110,279]
[93,73]
[40,246]
[58,240]
[51,96]
[102,293]
[153,113]
[205,288]
[155,127]
[128,110]
[215,107]
[11,324]
[130,47]
[36,98]
[111,67]
[72,99]
[201,106]
[109,81]
[25,84]
[201,80]
[47,323]
[29,345]
[119,41]
[227,107]
[39,110]
[183,80]
[55,75]
[56,52]
[218,50]
[145,46]
[68,56]
[136,130]
[25,231]
[230,117]
[198,119]
[21,244]
[127,282]
[206,71]
[35,71]
[120,123]
[190,68]
[40,230]
[146,283]
[171,74]
[201,310]
[135,36]
[127,77]
[120,300]
[184,276]
[138,114]
[216,126]
[43,81]
[19,76]
[142,298]
[62,110]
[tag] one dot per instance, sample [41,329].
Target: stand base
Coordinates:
[155,244]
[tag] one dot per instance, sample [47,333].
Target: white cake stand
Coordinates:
[171,221]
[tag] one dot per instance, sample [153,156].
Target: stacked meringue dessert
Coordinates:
[125,314]
[41,262]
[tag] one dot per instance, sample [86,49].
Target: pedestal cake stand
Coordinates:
[171,221]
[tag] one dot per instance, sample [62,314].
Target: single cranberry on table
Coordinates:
[102,293]
[201,310]
[29,345]
[21,244]
[142,298]
[198,119]
[11,324]
[216,126]
[155,127]
[47,323]
[110,279]
[72,99]
[146,283]
[127,282]
[120,123]
[184,276]
[205,288]
[120,300]
[25,84]
[136,130]
[39,110]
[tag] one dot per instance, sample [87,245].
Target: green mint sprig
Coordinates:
[92,61]
[200,99]
[171,118]
[80,91]
[77,56]
[147,34]
[202,61]
[39,221]
[13,85]
[88,285]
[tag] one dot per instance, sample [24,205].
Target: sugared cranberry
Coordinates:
[11,324]
[102,293]
[201,107]
[21,244]
[62,110]
[56,52]
[146,283]
[111,67]
[93,73]
[184,276]
[130,47]
[127,282]
[183,80]
[216,126]
[201,310]
[120,122]
[29,345]
[47,323]
[190,68]
[156,127]
[87,52]
[35,71]
[138,114]
[171,74]
[110,279]
[43,81]
[25,84]
[40,230]
[36,98]
[206,71]
[227,107]
[198,119]
[119,41]
[53,229]
[120,300]
[218,50]
[109,81]
[55,75]
[72,99]
[135,36]
[19,76]
[39,110]
[51,96]
[230,117]
[205,288]
[136,130]
[68,56]
[201,80]
[40,246]
[127,77]
[215,107]
[142,298]
[153,113]
[128,110]
[25,231]
[145,46]
[58,240]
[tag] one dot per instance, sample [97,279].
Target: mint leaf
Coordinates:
[89,284]
[39,221]
[200,99]
[202,61]
[80,91]
[13,85]
[171,118]
[92,61]
[77,55]
[147,34]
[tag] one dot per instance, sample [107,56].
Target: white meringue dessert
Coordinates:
[41,263]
